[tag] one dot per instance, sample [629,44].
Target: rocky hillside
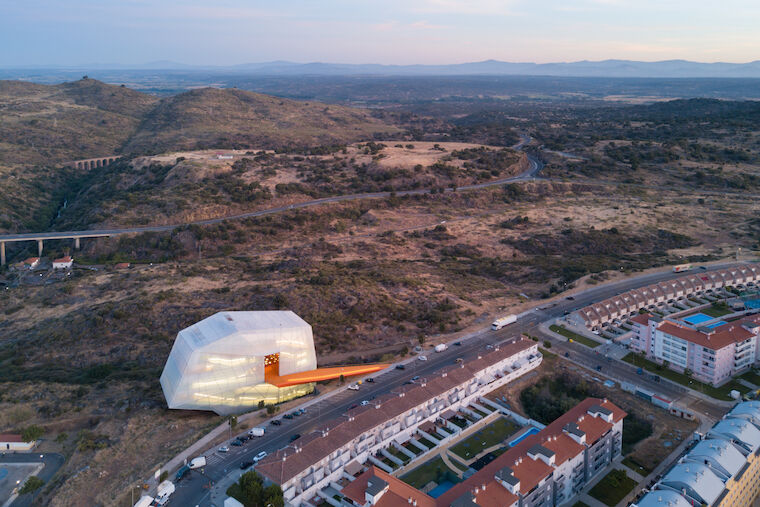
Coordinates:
[231,118]
[43,127]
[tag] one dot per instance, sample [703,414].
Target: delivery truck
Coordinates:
[503,321]
[164,491]
[256,432]
[681,268]
[197,462]
[440,347]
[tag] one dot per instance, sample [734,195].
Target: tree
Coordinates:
[32,484]
[32,433]
[250,491]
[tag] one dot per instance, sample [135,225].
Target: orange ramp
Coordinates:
[271,377]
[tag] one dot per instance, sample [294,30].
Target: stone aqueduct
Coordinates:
[92,163]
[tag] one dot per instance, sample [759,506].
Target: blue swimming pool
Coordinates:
[442,488]
[697,318]
[531,431]
[715,324]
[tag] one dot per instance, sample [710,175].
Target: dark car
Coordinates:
[370,380]
[246,464]
[400,367]
[296,413]
[570,298]
[457,344]
[288,416]
[295,437]
[275,422]
[599,367]
[567,354]
[236,443]
[353,406]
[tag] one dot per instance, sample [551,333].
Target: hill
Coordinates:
[231,118]
[42,127]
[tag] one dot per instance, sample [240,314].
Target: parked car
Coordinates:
[288,416]
[246,464]
[364,403]
[295,437]
[275,422]
[353,406]
[236,443]
[457,344]
[244,438]
[400,367]
[422,358]
[570,298]
[567,354]
[297,413]
[598,367]
[415,378]
[370,380]
[260,456]
[354,387]
[224,448]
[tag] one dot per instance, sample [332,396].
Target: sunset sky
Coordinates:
[227,32]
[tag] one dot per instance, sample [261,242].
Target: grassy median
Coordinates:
[588,342]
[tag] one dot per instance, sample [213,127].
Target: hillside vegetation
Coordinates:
[42,127]
[231,118]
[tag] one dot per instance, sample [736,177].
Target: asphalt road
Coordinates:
[196,491]
[532,173]
[52,461]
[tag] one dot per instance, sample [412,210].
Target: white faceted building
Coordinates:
[220,363]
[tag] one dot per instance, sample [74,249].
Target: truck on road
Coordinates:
[197,462]
[164,491]
[256,432]
[503,321]
[440,347]
[681,268]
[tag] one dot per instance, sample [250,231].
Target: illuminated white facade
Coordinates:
[218,363]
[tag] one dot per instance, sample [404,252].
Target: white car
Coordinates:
[259,456]
[422,358]
[224,448]
[354,387]
[364,403]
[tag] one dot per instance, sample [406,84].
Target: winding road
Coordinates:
[535,166]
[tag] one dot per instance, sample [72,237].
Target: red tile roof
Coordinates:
[531,472]
[398,493]
[286,463]
[722,336]
[10,437]
[642,318]
[64,259]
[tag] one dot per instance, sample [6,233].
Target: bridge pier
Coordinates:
[76,243]
[39,248]
[2,253]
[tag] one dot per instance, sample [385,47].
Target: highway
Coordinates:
[196,489]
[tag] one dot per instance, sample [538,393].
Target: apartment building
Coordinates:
[314,461]
[713,350]
[547,468]
[628,304]
[722,469]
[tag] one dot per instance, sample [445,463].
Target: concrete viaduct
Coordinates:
[42,236]
[92,163]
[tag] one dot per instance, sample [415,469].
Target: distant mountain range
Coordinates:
[605,68]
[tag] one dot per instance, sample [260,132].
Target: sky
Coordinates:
[228,32]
